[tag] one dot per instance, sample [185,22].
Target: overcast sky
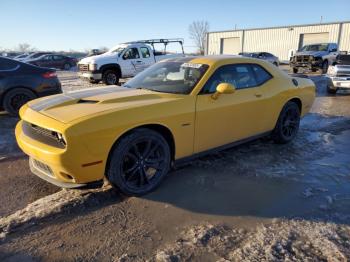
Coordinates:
[84,24]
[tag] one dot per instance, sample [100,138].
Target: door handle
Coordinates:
[258,94]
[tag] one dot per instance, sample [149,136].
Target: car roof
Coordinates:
[216,59]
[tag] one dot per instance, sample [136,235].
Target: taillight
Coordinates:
[50,75]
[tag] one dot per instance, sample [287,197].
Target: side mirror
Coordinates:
[223,88]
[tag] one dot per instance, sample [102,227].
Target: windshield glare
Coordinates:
[320,47]
[169,77]
[116,50]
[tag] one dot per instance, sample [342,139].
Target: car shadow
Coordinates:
[304,179]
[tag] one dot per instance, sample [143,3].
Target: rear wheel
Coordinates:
[16,98]
[110,77]
[139,162]
[295,70]
[288,124]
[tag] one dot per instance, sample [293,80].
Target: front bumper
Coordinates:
[309,65]
[95,76]
[45,172]
[340,82]
[65,167]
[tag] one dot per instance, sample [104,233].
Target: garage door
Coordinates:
[230,46]
[315,38]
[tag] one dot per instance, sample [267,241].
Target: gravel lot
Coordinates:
[256,202]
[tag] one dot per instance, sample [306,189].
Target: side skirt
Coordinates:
[183,160]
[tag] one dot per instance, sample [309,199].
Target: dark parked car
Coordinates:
[54,61]
[21,82]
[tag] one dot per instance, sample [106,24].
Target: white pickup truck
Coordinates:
[124,60]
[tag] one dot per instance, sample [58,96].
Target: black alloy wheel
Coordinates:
[288,124]
[139,162]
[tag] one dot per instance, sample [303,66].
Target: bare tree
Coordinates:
[25,47]
[198,31]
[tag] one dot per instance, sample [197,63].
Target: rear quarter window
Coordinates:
[261,75]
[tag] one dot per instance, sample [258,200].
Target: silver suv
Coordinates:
[264,56]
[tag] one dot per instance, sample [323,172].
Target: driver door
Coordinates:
[130,63]
[231,117]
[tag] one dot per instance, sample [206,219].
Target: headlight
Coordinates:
[92,67]
[60,138]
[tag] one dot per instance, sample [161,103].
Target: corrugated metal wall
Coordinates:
[214,40]
[345,38]
[280,41]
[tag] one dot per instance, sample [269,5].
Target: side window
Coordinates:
[244,76]
[261,74]
[131,53]
[57,57]
[7,64]
[145,52]
[240,75]
[47,58]
[222,75]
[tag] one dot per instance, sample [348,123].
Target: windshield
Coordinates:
[169,77]
[319,47]
[116,50]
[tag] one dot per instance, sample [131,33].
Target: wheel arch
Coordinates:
[159,128]
[115,67]
[298,101]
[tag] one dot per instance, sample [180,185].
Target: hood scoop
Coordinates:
[86,101]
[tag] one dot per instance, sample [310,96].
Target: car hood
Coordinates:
[313,53]
[79,104]
[96,58]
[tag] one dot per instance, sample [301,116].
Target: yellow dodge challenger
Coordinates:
[175,109]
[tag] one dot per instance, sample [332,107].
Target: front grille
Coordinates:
[303,58]
[343,70]
[83,68]
[43,167]
[42,135]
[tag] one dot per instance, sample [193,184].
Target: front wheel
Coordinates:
[331,90]
[324,67]
[287,124]
[295,70]
[110,77]
[139,162]
[66,67]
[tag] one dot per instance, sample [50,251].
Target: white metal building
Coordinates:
[280,41]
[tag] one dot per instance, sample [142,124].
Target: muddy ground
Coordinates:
[256,202]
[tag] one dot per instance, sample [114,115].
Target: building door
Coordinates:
[230,46]
[313,38]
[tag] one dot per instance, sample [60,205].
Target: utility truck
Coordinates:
[125,60]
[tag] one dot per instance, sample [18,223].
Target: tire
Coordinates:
[331,91]
[16,98]
[295,70]
[287,124]
[324,67]
[314,70]
[275,63]
[66,67]
[110,77]
[139,162]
